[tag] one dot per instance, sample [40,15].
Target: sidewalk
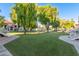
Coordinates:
[4,51]
[4,40]
[75,43]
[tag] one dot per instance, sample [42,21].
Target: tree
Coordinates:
[44,20]
[13,16]
[46,14]
[67,24]
[25,15]
[1,21]
[18,12]
[55,24]
[21,10]
[31,16]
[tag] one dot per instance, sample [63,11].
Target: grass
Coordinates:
[44,44]
[20,33]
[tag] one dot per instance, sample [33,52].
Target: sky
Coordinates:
[66,10]
[5,9]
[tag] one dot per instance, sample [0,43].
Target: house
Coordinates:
[9,25]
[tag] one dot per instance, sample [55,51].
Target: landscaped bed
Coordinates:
[43,44]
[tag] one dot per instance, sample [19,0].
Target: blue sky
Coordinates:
[66,10]
[5,10]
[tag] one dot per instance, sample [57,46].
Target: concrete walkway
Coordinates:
[4,51]
[75,43]
[4,40]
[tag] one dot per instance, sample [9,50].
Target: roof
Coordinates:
[8,22]
[77,24]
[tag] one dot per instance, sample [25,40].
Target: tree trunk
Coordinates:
[17,28]
[24,30]
[55,29]
[47,26]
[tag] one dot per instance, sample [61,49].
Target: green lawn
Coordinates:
[44,44]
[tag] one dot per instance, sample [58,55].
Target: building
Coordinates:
[9,25]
